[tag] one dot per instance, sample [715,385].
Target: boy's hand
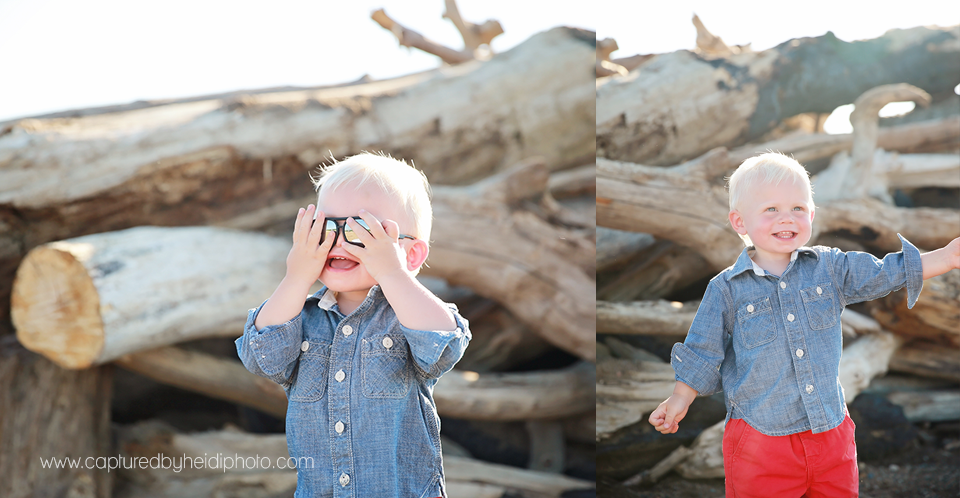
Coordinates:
[666,418]
[381,254]
[941,260]
[308,256]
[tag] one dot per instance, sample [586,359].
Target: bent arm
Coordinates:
[942,260]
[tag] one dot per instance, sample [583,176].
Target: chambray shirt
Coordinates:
[772,344]
[360,395]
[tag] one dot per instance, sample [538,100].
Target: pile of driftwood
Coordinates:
[670,127]
[138,237]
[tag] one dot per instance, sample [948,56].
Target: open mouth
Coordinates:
[340,263]
[785,235]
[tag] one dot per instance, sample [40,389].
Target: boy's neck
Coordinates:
[774,263]
[349,301]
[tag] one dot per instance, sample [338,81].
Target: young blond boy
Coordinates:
[767,333]
[359,359]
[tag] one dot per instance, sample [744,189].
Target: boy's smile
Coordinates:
[778,219]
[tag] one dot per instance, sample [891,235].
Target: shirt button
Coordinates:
[790,317]
[305,346]
[339,427]
[387,342]
[819,291]
[799,353]
[809,388]
[340,376]
[749,308]
[347,330]
[344,479]
[783,285]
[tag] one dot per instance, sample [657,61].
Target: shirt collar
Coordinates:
[328,298]
[744,262]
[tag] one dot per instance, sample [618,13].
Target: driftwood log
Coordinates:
[680,105]
[470,477]
[551,394]
[204,160]
[632,196]
[51,413]
[92,299]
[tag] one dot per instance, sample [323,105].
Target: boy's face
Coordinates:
[778,218]
[343,272]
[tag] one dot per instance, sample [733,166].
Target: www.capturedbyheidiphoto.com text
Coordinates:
[177,464]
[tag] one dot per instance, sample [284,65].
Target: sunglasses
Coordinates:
[335,226]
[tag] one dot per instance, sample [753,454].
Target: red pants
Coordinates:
[799,465]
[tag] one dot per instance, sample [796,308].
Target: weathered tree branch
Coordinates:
[410,38]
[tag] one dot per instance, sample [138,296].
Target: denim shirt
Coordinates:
[360,395]
[772,344]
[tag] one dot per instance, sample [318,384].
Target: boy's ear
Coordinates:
[736,221]
[416,254]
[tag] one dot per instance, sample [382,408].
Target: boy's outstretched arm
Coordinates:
[666,418]
[941,260]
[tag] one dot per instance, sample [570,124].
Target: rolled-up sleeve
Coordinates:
[272,351]
[437,351]
[697,360]
[863,277]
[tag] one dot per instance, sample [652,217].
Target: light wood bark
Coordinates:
[632,197]
[460,394]
[517,396]
[474,35]
[936,315]
[655,272]
[646,317]
[547,446]
[106,294]
[543,273]
[204,160]
[410,38]
[928,360]
[865,359]
[928,406]
[616,246]
[51,413]
[92,299]
[706,456]
[628,390]
[682,105]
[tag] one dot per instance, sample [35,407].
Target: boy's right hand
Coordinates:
[308,256]
[666,418]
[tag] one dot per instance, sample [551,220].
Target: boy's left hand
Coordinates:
[381,254]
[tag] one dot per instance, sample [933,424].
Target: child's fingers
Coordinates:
[316,231]
[306,224]
[297,225]
[355,251]
[375,227]
[391,229]
[362,234]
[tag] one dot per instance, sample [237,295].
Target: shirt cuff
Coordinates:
[693,370]
[913,267]
[272,344]
[428,345]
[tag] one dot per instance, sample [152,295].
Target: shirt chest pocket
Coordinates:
[311,382]
[755,327]
[820,306]
[384,367]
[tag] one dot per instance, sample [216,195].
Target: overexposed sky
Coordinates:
[69,54]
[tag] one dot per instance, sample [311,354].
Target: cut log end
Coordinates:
[55,307]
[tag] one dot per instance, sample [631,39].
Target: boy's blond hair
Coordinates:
[770,168]
[406,184]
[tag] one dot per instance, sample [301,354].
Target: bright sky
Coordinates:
[68,54]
